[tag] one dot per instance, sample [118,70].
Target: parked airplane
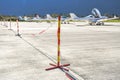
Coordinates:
[95,19]
[36,18]
[64,20]
[49,17]
[25,18]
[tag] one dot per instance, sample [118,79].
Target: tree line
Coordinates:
[7,18]
[13,18]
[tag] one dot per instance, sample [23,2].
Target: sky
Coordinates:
[42,7]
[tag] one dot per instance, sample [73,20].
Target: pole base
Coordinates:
[58,66]
[9,29]
[18,35]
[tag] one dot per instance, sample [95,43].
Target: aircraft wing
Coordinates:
[109,18]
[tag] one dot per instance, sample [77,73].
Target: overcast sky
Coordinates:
[81,7]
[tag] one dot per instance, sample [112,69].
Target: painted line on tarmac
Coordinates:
[69,74]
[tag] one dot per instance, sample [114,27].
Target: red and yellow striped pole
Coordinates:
[10,24]
[58,65]
[58,36]
[17,28]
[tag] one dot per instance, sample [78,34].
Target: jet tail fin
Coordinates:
[73,16]
[96,13]
[49,16]
[20,18]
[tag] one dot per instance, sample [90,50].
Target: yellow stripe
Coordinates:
[58,58]
[58,48]
[58,35]
[58,38]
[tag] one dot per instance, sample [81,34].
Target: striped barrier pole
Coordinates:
[58,65]
[4,22]
[0,22]
[58,36]
[10,25]
[17,28]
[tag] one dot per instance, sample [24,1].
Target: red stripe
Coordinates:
[59,18]
[58,63]
[58,53]
[59,30]
[58,42]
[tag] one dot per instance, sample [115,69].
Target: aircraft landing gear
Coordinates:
[100,23]
[97,23]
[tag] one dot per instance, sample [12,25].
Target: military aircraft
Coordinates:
[94,19]
[25,18]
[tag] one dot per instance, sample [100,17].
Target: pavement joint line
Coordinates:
[71,72]
[42,52]
[54,60]
[45,54]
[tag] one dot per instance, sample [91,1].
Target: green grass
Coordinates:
[117,20]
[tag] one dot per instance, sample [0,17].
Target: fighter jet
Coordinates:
[35,18]
[49,17]
[64,20]
[94,19]
[25,18]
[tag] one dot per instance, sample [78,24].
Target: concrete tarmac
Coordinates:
[92,51]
